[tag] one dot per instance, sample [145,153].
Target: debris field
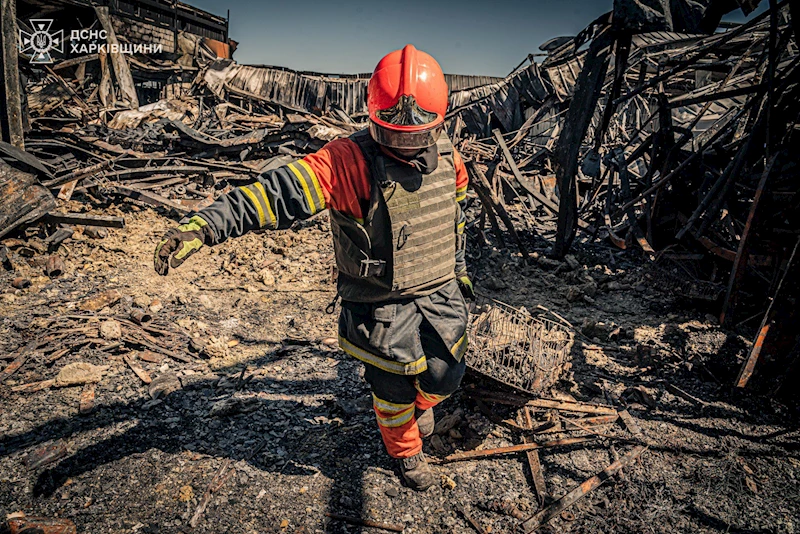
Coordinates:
[632,235]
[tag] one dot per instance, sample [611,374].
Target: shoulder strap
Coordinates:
[377,168]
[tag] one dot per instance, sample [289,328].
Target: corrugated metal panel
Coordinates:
[461,82]
[564,75]
[309,91]
[646,40]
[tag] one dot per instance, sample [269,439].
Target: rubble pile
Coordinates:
[645,164]
[677,143]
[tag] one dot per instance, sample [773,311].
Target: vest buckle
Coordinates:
[370,268]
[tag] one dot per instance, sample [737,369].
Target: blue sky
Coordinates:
[349,36]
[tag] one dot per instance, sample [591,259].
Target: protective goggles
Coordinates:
[418,139]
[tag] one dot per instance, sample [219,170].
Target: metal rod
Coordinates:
[471,455]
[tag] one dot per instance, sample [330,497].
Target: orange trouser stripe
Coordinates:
[398,427]
[424,400]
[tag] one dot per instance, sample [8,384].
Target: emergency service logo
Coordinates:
[41,41]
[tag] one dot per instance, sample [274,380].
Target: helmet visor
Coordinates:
[406,113]
[405,139]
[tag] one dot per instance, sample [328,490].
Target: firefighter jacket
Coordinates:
[340,177]
[398,237]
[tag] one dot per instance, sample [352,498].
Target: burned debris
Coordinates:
[661,137]
[658,130]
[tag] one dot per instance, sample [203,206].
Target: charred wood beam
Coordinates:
[480,182]
[715,96]
[150,198]
[579,116]
[121,69]
[700,53]
[85,219]
[76,61]
[622,50]
[485,453]
[589,485]
[740,263]
[764,329]
[81,173]
[10,99]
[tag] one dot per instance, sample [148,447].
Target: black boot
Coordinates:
[416,472]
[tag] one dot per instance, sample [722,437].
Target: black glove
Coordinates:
[465,285]
[180,243]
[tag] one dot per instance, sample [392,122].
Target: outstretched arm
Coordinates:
[273,201]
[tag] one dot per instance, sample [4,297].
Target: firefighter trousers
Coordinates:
[413,351]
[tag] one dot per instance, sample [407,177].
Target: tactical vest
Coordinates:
[406,245]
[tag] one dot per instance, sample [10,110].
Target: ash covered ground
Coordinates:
[267,404]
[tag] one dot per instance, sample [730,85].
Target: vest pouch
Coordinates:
[352,246]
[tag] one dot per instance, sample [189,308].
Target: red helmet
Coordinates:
[407,100]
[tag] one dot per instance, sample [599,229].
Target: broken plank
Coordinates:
[33,387]
[222,475]
[150,198]
[572,406]
[471,520]
[80,174]
[75,61]
[364,522]
[472,455]
[65,193]
[155,348]
[743,252]
[143,375]
[589,485]
[105,221]
[630,423]
[675,390]
[746,371]
[121,69]
[535,467]
[11,120]
[86,405]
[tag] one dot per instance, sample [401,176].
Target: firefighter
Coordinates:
[395,194]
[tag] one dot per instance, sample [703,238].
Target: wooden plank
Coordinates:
[742,254]
[749,365]
[11,105]
[143,375]
[535,467]
[85,219]
[150,198]
[76,61]
[577,493]
[33,387]
[121,69]
[472,455]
